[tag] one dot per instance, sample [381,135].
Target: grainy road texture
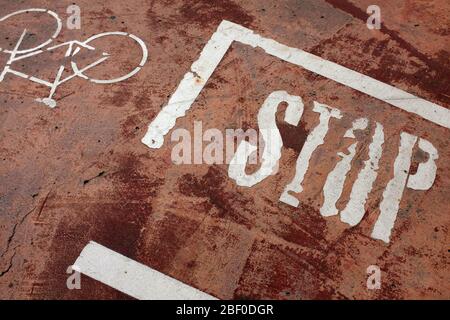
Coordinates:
[80,172]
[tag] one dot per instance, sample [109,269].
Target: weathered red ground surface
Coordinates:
[79,172]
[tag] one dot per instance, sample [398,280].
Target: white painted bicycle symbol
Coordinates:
[73,47]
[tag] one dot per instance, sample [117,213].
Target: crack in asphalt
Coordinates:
[101,174]
[13,233]
[43,205]
[2,273]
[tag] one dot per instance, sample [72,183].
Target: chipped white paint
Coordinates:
[358,124]
[332,190]
[394,190]
[131,277]
[272,139]
[334,184]
[423,179]
[51,103]
[227,32]
[73,47]
[314,139]
[354,210]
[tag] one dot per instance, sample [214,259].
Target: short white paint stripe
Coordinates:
[227,32]
[131,277]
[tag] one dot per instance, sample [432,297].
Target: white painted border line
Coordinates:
[131,277]
[227,32]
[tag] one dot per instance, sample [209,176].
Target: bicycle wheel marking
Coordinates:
[125,77]
[55,34]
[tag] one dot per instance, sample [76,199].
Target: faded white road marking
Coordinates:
[227,32]
[272,139]
[314,139]
[334,184]
[201,70]
[131,277]
[392,195]
[354,210]
[16,55]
